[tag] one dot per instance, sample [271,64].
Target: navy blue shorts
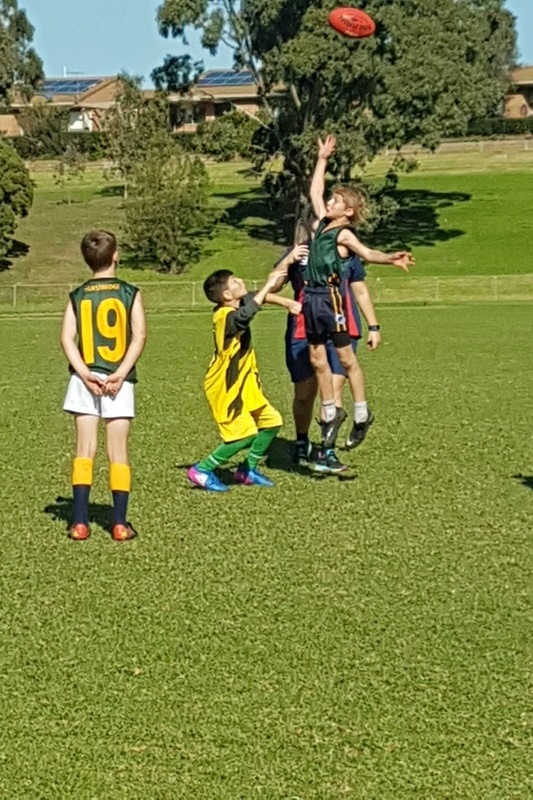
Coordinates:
[324,316]
[299,363]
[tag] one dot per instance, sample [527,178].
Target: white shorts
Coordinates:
[79,400]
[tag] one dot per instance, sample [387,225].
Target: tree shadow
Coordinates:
[256,215]
[525,480]
[415,224]
[111,190]
[16,250]
[99,513]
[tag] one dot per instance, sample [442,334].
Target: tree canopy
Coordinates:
[431,66]
[19,63]
[16,194]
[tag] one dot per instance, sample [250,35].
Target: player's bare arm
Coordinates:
[326,148]
[298,253]
[365,303]
[68,341]
[114,382]
[401,259]
[292,306]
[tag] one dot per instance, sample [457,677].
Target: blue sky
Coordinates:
[105,37]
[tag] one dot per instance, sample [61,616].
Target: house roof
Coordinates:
[522,76]
[10,126]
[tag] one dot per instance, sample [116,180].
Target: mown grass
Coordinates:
[365,638]
[456,217]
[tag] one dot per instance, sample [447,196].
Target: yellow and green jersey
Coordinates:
[103,314]
[232,382]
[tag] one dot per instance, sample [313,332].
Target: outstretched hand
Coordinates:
[326,148]
[403,260]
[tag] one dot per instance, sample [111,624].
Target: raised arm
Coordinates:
[401,259]
[326,149]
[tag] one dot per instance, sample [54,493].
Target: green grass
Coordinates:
[365,638]
[457,212]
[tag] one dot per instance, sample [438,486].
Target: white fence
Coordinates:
[180,295]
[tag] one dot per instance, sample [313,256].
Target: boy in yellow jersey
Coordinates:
[103,335]
[244,416]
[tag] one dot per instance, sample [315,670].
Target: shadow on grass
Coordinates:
[525,480]
[255,214]
[62,509]
[16,250]
[111,190]
[416,224]
[279,457]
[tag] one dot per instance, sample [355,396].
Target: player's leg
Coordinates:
[305,390]
[236,436]
[82,473]
[202,473]
[362,415]
[118,412]
[324,380]
[268,422]
[117,435]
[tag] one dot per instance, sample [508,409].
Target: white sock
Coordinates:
[328,410]
[360,412]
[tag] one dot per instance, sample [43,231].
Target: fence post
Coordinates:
[14,295]
[193,293]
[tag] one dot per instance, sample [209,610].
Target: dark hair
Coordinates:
[216,283]
[98,249]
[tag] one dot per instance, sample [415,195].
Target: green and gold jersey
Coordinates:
[325,265]
[103,313]
[232,380]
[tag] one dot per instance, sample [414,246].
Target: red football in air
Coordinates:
[352,22]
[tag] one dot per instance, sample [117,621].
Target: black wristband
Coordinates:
[375,328]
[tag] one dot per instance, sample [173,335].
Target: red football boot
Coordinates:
[79,532]
[121,533]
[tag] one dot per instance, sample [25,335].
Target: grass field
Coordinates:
[363,638]
[456,216]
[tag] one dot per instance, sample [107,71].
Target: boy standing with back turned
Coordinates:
[334,243]
[103,335]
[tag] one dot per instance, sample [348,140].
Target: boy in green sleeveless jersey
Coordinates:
[103,336]
[334,244]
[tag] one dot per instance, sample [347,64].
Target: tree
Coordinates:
[70,166]
[167,213]
[131,125]
[431,66]
[19,63]
[16,194]
[228,136]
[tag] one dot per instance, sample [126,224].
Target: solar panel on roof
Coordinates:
[226,77]
[68,85]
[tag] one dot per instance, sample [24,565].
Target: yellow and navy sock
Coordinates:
[82,480]
[120,483]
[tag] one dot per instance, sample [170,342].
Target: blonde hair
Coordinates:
[354,199]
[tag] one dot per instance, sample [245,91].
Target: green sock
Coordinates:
[223,453]
[260,445]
